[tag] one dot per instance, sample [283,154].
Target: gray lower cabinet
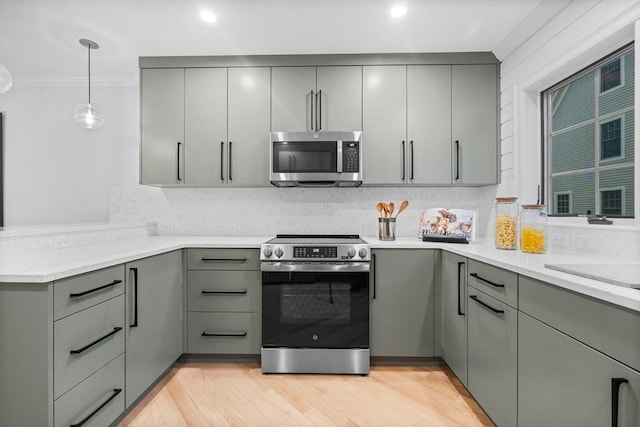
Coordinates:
[562,382]
[402,303]
[224,301]
[492,376]
[454,313]
[153,320]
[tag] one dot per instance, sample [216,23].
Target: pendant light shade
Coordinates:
[86,115]
[6,81]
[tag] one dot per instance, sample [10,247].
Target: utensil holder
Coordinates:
[387,228]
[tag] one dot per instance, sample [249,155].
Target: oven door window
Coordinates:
[315,310]
[309,157]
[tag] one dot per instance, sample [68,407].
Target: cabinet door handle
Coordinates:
[497,285]
[223,259]
[224,334]
[178,164]
[230,160]
[457,160]
[206,292]
[134,284]
[91,344]
[373,270]
[411,146]
[222,161]
[460,312]
[404,160]
[319,110]
[116,391]
[615,398]
[311,115]
[90,291]
[475,298]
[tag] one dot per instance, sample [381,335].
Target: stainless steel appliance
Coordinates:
[316,159]
[315,304]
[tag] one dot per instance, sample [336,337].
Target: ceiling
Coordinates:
[39,38]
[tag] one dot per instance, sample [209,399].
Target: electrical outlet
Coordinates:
[238,226]
[63,241]
[586,244]
[165,227]
[560,241]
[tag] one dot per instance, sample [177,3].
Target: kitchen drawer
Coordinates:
[105,387]
[224,291]
[229,333]
[500,284]
[76,293]
[492,356]
[612,329]
[223,259]
[97,325]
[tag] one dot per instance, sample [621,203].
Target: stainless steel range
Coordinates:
[315,304]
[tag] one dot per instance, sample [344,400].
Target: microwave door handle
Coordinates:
[339,159]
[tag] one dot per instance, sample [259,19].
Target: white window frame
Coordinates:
[623,190]
[599,139]
[599,79]
[563,193]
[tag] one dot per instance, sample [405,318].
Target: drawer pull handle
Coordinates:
[224,260]
[615,397]
[475,298]
[205,292]
[460,265]
[497,285]
[91,344]
[116,391]
[224,334]
[90,291]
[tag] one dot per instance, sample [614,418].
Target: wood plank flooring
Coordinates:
[238,394]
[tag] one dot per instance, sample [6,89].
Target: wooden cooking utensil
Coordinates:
[404,205]
[379,208]
[390,208]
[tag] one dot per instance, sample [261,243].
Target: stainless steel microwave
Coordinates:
[316,159]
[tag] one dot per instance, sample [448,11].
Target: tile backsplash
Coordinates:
[268,211]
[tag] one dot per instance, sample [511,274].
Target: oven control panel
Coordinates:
[315,252]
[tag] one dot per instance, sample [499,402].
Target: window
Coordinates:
[562,203]
[612,201]
[610,139]
[589,139]
[610,76]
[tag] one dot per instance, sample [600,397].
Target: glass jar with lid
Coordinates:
[533,229]
[506,230]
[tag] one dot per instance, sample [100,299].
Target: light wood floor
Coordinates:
[232,394]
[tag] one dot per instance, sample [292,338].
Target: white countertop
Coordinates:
[52,264]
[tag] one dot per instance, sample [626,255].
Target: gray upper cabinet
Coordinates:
[429,124]
[316,98]
[402,303]
[153,320]
[384,124]
[474,124]
[205,126]
[248,126]
[454,313]
[162,126]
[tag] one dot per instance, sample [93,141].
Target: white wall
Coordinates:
[56,172]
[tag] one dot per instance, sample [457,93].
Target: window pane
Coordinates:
[610,139]
[620,178]
[611,202]
[574,103]
[610,75]
[563,204]
[622,97]
[573,150]
[582,187]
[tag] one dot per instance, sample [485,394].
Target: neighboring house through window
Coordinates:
[589,139]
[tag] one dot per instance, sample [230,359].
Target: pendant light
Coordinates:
[84,114]
[6,81]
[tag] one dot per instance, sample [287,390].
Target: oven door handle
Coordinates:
[319,267]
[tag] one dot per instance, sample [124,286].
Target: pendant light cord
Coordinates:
[89,72]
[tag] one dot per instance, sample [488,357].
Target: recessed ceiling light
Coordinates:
[398,11]
[208,16]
